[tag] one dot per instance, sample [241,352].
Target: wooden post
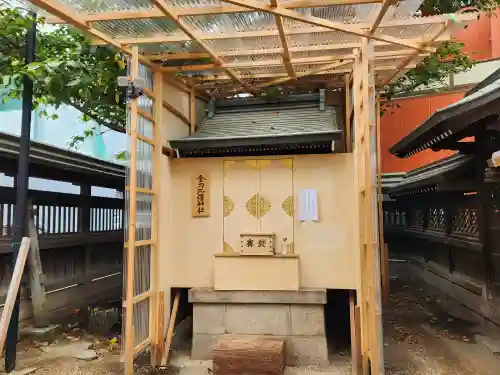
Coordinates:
[160,332]
[129,284]
[192,111]
[15,282]
[365,150]
[84,212]
[157,303]
[348,113]
[171,326]
[383,247]
[37,287]
[355,334]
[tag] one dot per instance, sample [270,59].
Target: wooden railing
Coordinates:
[81,242]
[64,219]
[442,230]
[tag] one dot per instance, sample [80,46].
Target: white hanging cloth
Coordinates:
[308,205]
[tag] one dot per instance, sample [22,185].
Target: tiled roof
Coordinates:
[432,174]
[451,120]
[267,121]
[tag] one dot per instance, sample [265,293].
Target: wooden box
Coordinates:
[239,271]
[257,243]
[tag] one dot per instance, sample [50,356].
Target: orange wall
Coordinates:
[482,37]
[495,35]
[482,42]
[477,38]
[396,123]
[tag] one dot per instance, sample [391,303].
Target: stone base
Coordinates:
[44,334]
[295,317]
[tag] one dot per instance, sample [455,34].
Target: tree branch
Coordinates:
[109,125]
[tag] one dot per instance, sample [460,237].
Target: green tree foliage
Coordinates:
[68,70]
[449,57]
[433,7]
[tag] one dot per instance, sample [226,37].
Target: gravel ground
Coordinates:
[421,338]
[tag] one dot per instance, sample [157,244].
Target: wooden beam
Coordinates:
[317,21]
[363,27]
[285,75]
[189,68]
[178,56]
[410,58]
[330,66]
[15,282]
[170,331]
[204,10]
[192,112]
[380,16]
[171,13]
[286,53]
[348,113]
[37,285]
[277,63]
[176,112]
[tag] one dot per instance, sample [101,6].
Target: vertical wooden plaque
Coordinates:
[200,195]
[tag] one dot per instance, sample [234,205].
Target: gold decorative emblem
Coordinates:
[258,206]
[287,206]
[228,248]
[287,163]
[228,206]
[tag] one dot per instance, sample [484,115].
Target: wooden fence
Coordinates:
[81,243]
[451,240]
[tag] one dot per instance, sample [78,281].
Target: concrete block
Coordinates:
[25,371]
[203,346]
[306,350]
[307,320]
[258,319]
[44,334]
[488,342]
[209,318]
[78,350]
[302,296]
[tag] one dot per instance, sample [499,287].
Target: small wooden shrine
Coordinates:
[258,205]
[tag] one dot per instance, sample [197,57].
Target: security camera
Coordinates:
[135,87]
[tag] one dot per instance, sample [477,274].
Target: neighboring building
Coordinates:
[59,133]
[482,42]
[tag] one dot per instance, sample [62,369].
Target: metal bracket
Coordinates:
[322,99]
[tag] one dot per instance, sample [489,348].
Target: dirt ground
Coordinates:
[421,338]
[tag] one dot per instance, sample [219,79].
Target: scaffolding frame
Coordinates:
[360,56]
